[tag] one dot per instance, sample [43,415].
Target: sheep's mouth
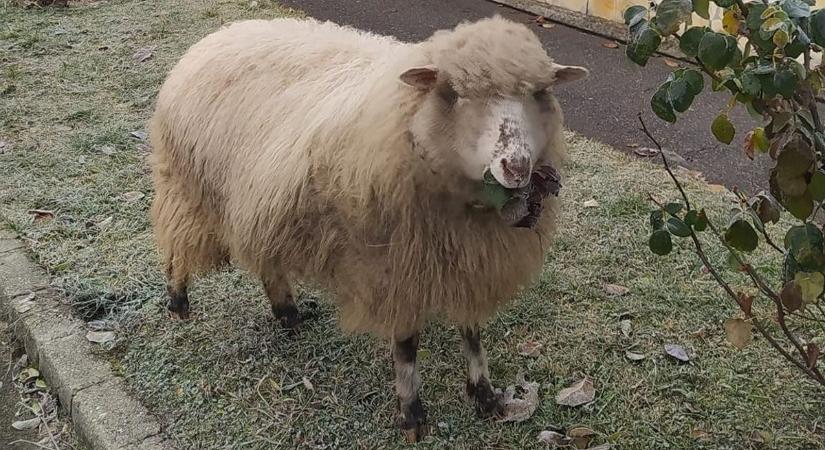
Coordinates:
[522,207]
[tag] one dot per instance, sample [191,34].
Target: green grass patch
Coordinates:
[71,94]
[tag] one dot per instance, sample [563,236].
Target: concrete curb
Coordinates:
[105,416]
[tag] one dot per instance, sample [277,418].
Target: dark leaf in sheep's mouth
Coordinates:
[521,207]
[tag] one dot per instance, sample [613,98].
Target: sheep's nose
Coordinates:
[516,169]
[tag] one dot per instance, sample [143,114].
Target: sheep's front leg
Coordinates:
[413,417]
[479,389]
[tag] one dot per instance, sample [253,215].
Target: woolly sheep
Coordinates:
[310,151]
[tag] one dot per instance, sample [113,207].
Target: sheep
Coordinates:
[309,151]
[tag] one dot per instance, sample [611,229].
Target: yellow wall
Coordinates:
[613,9]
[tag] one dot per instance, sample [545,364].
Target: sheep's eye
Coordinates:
[447,93]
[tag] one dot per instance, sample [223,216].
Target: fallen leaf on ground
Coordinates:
[633,356]
[632,145]
[671,63]
[24,304]
[699,434]
[592,203]
[579,393]
[530,348]
[100,337]
[552,438]
[540,19]
[626,327]
[28,374]
[616,289]
[610,44]
[307,384]
[717,188]
[580,436]
[41,214]
[677,351]
[646,152]
[547,25]
[103,224]
[520,409]
[107,150]
[133,196]
[143,54]
[138,135]
[143,148]
[738,332]
[29,424]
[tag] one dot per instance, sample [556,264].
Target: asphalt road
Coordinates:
[604,107]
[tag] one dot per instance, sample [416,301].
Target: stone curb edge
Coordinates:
[105,415]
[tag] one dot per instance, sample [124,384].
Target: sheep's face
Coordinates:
[507,135]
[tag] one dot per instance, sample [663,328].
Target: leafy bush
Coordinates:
[762,60]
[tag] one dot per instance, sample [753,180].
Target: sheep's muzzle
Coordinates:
[524,208]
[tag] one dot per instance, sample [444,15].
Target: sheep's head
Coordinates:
[489,105]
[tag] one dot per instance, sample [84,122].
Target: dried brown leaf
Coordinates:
[143,54]
[616,289]
[133,196]
[813,354]
[41,214]
[676,351]
[646,152]
[610,44]
[520,409]
[738,332]
[577,394]
[580,437]
[633,356]
[671,63]
[530,348]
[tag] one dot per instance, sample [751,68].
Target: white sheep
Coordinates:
[310,151]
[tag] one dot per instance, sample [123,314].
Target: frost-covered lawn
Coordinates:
[74,87]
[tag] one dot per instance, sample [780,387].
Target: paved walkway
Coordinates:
[603,108]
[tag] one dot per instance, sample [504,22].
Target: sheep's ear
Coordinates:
[423,77]
[569,73]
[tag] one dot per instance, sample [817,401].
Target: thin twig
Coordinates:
[664,161]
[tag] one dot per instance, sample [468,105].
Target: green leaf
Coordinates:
[644,42]
[771,25]
[671,14]
[494,194]
[805,244]
[760,140]
[701,7]
[677,227]
[754,20]
[725,3]
[695,81]
[795,8]
[810,285]
[801,206]
[741,236]
[689,42]
[722,129]
[781,38]
[750,84]
[660,104]
[673,208]
[817,186]
[817,24]
[679,95]
[692,217]
[716,50]
[660,242]
[785,82]
[701,221]
[657,221]
[634,15]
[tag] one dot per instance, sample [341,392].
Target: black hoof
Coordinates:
[288,316]
[413,422]
[488,403]
[178,305]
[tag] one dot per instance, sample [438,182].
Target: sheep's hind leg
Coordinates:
[176,288]
[479,389]
[282,299]
[413,417]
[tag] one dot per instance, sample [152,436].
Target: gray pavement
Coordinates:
[604,107]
